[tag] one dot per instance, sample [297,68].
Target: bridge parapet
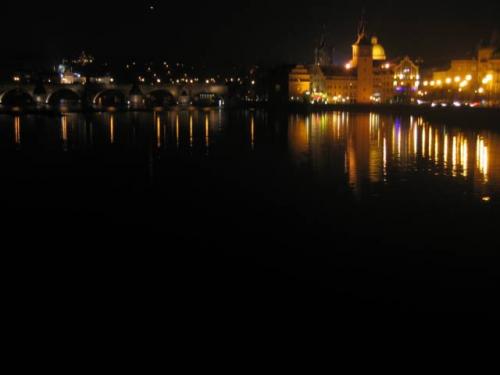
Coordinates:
[92,91]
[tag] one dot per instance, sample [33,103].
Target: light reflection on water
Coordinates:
[367,148]
[375,146]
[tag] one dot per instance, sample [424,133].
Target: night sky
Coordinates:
[238,33]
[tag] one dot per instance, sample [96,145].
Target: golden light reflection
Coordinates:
[177,130]
[400,135]
[385,158]
[252,131]
[445,150]
[191,139]
[454,156]
[464,157]
[368,147]
[415,139]
[112,129]
[430,141]
[424,144]
[436,147]
[158,131]
[207,131]
[17,130]
[483,158]
[64,131]
[375,157]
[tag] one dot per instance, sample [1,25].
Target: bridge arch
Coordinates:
[63,96]
[110,97]
[16,97]
[160,98]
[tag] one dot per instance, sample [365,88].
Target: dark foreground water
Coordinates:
[203,209]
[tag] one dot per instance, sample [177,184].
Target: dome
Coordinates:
[378,50]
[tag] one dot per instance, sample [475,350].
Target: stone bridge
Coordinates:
[110,94]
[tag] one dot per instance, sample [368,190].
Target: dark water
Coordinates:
[351,210]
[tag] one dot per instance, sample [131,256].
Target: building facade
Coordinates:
[368,78]
[476,79]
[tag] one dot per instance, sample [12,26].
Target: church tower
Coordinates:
[362,60]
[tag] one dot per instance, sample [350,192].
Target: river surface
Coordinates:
[360,209]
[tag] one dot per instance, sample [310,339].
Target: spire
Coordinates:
[362,30]
[321,52]
[322,41]
[362,24]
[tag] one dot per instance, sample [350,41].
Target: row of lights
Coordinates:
[386,66]
[459,81]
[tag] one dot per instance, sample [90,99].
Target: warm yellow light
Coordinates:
[348,66]
[487,79]
[457,79]
[481,90]
[440,83]
[464,83]
[426,83]
[433,83]
[448,80]
[468,77]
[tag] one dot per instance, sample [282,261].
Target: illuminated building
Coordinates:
[367,78]
[476,78]
[406,80]
[68,77]
[299,81]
